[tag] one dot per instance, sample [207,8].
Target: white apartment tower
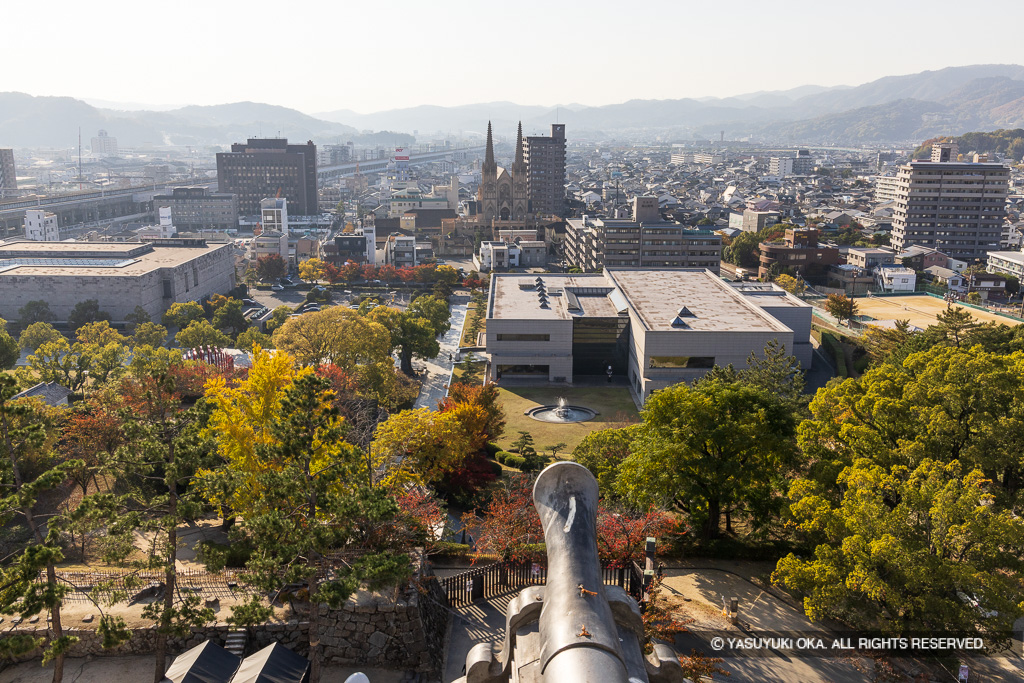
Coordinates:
[956,208]
[41,226]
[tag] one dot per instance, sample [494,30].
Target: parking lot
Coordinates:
[294,297]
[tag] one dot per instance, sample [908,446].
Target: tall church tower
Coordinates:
[488,192]
[520,181]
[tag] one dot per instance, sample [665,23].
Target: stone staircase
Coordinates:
[235,642]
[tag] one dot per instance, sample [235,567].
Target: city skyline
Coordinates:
[374,62]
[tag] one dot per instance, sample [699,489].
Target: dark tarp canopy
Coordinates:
[205,663]
[273,664]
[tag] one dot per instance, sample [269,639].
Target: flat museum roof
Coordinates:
[72,259]
[656,296]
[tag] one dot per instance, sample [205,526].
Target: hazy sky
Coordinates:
[384,54]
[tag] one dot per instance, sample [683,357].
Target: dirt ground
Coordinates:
[136,669]
[920,310]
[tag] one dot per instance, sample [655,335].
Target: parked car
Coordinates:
[276,288]
[250,302]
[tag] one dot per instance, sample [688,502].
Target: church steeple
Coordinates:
[519,147]
[489,158]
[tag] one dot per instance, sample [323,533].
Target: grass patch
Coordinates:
[469,372]
[475,324]
[613,404]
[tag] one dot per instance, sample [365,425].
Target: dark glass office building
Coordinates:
[270,167]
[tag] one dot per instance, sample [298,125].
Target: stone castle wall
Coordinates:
[369,630]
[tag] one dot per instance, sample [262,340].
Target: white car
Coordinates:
[276,288]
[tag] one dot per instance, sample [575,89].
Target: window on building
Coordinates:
[688,362]
[523,337]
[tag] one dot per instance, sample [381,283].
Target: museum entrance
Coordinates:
[598,343]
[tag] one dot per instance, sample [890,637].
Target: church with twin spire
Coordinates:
[504,194]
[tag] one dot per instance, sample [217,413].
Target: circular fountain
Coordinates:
[562,413]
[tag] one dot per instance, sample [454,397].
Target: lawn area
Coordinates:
[614,406]
[470,372]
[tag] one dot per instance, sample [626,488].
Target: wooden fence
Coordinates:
[488,581]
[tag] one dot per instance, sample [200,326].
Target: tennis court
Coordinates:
[920,310]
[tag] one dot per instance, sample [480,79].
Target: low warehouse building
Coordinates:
[119,275]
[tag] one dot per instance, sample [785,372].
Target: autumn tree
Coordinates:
[622,532]
[841,307]
[241,418]
[279,316]
[164,447]
[603,451]
[946,403]
[711,449]
[306,507]
[790,284]
[22,433]
[410,334]
[56,361]
[312,270]
[99,333]
[478,407]
[271,267]
[882,342]
[37,334]
[229,316]
[201,333]
[433,309]
[417,446]
[508,527]
[336,335]
[148,334]
[253,337]
[181,315]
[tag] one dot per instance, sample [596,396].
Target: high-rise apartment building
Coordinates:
[780,167]
[943,152]
[957,208]
[545,159]
[104,144]
[8,178]
[270,167]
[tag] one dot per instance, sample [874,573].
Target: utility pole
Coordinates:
[79,157]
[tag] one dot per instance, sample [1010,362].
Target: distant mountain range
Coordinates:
[27,121]
[891,109]
[894,109]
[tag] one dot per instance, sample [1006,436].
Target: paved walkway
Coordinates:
[439,370]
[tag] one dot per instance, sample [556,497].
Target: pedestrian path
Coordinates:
[439,370]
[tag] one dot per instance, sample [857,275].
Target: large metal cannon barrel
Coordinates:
[574,628]
[579,637]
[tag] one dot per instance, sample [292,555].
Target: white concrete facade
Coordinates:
[681,323]
[41,226]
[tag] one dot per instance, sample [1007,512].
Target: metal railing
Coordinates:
[481,583]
